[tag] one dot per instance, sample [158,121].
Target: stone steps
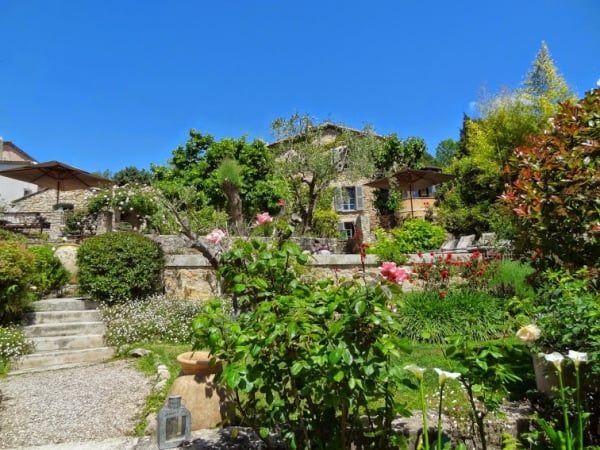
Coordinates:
[65,332]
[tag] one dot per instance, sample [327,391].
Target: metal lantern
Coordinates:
[174,424]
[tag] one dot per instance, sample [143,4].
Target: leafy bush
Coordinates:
[415,235]
[426,316]
[50,275]
[511,277]
[555,194]
[439,272]
[325,224]
[151,320]
[13,344]
[17,267]
[312,364]
[119,266]
[80,223]
[6,235]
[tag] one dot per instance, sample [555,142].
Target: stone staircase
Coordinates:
[65,332]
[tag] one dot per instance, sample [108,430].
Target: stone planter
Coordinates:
[197,363]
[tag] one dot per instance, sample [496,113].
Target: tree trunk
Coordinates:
[234,205]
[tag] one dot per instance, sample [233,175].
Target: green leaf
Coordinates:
[263,432]
[359,307]
[339,376]
[238,288]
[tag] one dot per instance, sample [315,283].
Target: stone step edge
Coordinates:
[79,351]
[47,368]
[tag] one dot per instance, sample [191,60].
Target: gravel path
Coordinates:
[78,404]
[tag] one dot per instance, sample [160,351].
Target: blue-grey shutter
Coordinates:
[359,198]
[338,199]
[342,231]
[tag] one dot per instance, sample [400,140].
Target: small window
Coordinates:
[346,230]
[26,192]
[349,198]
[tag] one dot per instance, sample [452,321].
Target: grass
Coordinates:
[514,274]
[161,354]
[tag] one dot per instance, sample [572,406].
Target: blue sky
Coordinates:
[112,83]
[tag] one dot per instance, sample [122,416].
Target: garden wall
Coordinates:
[191,277]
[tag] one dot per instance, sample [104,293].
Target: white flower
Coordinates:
[577,357]
[443,375]
[529,333]
[416,370]
[554,358]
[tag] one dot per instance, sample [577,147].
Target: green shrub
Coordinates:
[429,316]
[50,275]
[511,277]
[16,272]
[325,224]
[13,344]
[119,266]
[6,235]
[152,320]
[312,364]
[415,235]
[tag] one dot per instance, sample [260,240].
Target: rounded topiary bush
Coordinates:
[119,266]
[16,272]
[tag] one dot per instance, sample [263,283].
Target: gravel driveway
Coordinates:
[77,404]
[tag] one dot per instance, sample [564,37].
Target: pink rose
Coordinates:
[263,218]
[215,236]
[386,267]
[398,275]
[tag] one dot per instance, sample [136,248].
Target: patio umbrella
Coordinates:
[56,175]
[411,179]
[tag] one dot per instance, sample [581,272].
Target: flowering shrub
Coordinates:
[12,345]
[437,272]
[119,266]
[154,319]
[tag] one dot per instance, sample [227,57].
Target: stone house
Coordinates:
[12,156]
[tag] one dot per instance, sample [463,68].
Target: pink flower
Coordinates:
[281,203]
[263,218]
[393,273]
[386,267]
[215,236]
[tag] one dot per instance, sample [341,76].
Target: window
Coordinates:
[349,198]
[346,230]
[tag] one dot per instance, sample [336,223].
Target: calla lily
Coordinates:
[416,370]
[577,357]
[554,358]
[443,376]
[529,333]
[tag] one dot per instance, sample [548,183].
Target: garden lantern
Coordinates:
[174,424]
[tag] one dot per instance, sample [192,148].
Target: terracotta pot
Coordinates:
[197,363]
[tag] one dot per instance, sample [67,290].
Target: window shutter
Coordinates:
[359,198]
[338,199]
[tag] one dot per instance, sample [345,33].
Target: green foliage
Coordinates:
[13,344]
[132,174]
[49,274]
[312,363]
[511,276]
[7,235]
[415,235]
[151,320]
[17,266]
[325,223]
[425,316]
[116,267]
[133,198]
[80,223]
[198,166]
[446,151]
[555,196]
[255,270]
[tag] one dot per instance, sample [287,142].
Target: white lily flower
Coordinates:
[443,375]
[529,333]
[554,358]
[416,370]
[577,357]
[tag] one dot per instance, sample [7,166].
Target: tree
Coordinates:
[469,203]
[200,165]
[312,155]
[132,174]
[445,152]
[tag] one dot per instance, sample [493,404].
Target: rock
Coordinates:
[139,352]
[159,386]
[163,375]
[208,405]
[151,424]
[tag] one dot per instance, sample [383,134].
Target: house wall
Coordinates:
[420,207]
[11,189]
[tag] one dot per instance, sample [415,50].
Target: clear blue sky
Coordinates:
[110,83]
